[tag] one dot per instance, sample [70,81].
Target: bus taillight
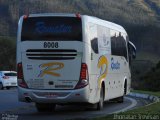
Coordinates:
[78,15]
[20,77]
[83,74]
[19,71]
[25,17]
[83,77]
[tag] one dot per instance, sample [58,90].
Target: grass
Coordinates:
[136,114]
[143,113]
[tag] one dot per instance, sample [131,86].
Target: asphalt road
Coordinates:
[11,108]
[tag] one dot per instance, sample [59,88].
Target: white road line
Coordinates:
[134,103]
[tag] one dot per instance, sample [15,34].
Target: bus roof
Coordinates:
[52,14]
[99,21]
[85,17]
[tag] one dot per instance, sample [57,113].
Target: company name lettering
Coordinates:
[115,65]
[42,28]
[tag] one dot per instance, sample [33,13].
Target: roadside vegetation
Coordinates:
[150,81]
[7,53]
[148,112]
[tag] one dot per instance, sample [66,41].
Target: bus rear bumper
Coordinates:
[54,96]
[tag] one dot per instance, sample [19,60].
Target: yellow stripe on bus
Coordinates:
[103,65]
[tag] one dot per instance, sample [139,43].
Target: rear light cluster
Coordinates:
[78,15]
[84,71]
[25,17]
[5,77]
[20,76]
[84,77]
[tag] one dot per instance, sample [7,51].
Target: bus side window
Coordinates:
[93,37]
[94,45]
[131,51]
[129,54]
[124,49]
[118,45]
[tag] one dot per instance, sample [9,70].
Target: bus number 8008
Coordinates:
[50,44]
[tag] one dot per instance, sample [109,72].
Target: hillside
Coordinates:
[141,18]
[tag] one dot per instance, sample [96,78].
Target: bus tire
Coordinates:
[45,107]
[7,88]
[120,99]
[125,87]
[100,104]
[1,86]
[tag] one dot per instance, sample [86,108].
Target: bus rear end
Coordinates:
[50,60]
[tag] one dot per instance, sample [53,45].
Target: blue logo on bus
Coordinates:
[115,65]
[41,27]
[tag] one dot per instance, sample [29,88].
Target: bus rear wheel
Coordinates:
[120,99]
[125,88]
[45,107]
[7,88]
[100,104]
[1,86]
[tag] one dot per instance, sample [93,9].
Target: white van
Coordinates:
[71,58]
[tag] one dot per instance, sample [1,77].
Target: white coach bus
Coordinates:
[72,58]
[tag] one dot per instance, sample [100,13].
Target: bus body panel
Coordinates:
[103,66]
[115,78]
[54,96]
[63,74]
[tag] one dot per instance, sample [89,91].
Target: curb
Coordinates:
[152,98]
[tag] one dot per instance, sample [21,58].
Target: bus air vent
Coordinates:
[50,54]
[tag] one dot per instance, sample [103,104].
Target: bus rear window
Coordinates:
[52,29]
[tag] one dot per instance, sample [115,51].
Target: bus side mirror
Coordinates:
[132,50]
[133,53]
